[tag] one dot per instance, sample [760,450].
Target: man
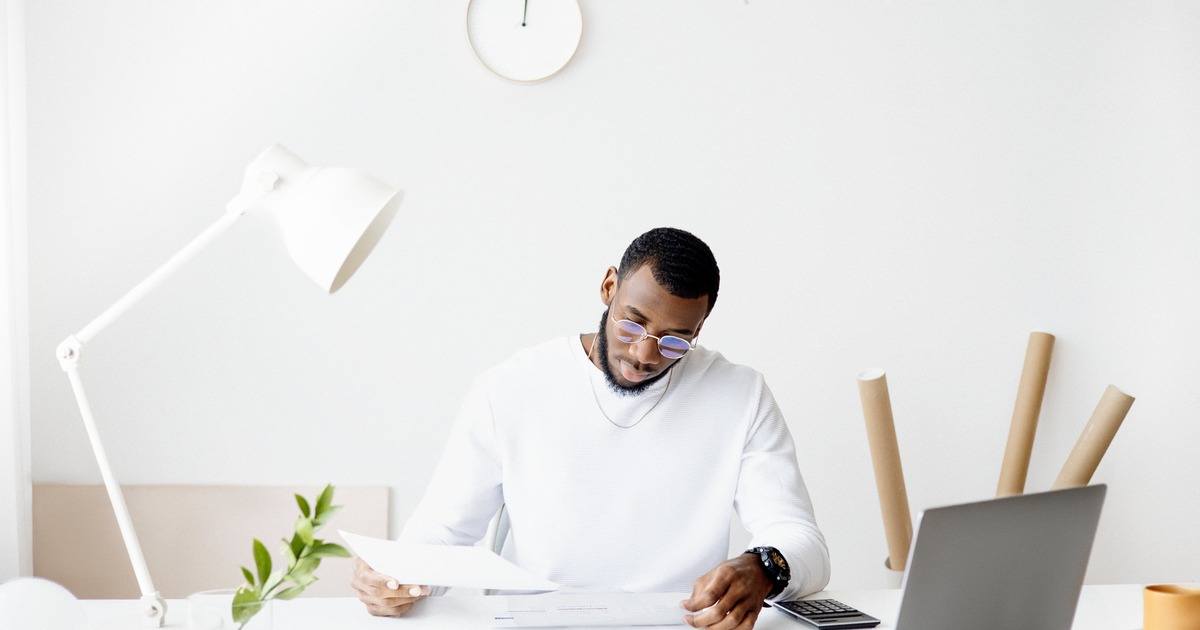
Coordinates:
[621,455]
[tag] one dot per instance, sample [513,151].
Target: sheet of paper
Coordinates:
[443,565]
[589,609]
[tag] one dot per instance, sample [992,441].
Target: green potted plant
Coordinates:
[303,552]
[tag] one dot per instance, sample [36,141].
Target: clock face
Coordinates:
[524,40]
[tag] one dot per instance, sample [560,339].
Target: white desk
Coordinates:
[1117,607]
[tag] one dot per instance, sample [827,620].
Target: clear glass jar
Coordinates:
[213,610]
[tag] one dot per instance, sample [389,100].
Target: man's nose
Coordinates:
[646,352]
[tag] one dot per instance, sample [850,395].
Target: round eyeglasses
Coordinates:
[670,346]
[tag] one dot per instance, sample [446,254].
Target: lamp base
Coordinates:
[155,610]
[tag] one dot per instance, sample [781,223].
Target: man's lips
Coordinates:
[632,375]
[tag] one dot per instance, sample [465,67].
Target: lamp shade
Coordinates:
[330,218]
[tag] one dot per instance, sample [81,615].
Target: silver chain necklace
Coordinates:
[596,397]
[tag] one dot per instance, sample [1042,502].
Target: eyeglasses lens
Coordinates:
[630,332]
[673,347]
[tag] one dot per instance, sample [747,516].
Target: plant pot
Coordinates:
[213,610]
[1170,607]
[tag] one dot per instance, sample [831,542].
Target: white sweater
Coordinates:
[646,508]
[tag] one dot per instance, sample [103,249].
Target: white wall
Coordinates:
[910,185]
[15,465]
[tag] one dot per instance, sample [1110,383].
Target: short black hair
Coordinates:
[680,262]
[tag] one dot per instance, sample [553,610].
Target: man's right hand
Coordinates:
[383,596]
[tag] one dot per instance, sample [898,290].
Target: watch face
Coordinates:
[777,559]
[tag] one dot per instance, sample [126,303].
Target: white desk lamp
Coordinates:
[330,219]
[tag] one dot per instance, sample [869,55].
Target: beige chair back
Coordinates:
[194,537]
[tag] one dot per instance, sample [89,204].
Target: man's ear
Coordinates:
[608,286]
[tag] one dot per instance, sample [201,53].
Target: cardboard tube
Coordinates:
[1170,607]
[1025,414]
[1094,440]
[885,455]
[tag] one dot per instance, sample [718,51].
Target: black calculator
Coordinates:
[826,613]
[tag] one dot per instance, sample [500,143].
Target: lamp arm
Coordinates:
[166,270]
[154,608]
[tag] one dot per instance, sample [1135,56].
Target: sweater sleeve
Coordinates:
[773,503]
[465,490]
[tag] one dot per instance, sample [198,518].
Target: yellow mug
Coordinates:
[1170,607]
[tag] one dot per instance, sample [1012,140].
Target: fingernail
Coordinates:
[393,585]
[415,591]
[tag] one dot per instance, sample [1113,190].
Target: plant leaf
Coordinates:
[303,503]
[262,560]
[309,579]
[245,605]
[297,545]
[326,515]
[290,592]
[303,579]
[304,530]
[291,556]
[272,582]
[306,566]
[302,573]
[329,550]
[249,576]
[325,500]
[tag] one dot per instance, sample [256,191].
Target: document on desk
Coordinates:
[443,565]
[590,609]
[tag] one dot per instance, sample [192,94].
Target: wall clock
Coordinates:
[524,40]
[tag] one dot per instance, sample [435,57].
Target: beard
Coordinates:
[611,376]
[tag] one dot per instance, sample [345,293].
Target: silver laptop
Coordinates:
[1016,562]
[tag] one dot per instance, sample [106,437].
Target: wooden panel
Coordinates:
[194,537]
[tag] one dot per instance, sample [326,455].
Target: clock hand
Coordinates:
[526,13]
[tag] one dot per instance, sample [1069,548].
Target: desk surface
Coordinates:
[1117,607]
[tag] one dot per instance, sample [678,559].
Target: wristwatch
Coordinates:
[775,566]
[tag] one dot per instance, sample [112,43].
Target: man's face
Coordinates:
[632,367]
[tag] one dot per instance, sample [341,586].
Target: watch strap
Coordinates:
[775,566]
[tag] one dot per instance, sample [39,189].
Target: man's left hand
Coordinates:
[730,596]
